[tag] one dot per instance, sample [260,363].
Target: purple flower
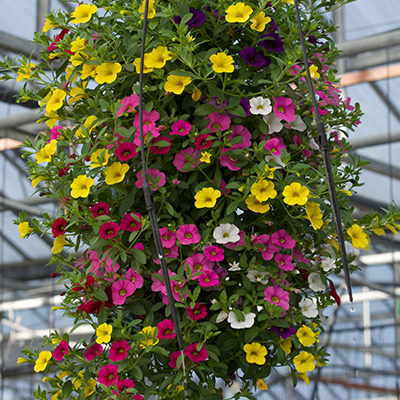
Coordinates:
[254,58]
[272,42]
[284,333]
[246,106]
[198,18]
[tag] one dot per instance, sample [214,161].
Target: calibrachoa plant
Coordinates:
[238,184]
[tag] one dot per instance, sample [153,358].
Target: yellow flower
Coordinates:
[286,345]
[78,44]
[269,171]
[44,155]
[261,384]
[97,156]
[48,25]
[103,333]
[42,361]
[57,395]
[314,71]
[238,12]
[222,63]
[256,206]
[89,124]
[149,333]
[22,360]
[391,228]
[115,173]
[76,94]
[83,13]
[62,374]
[314,214]
[158,57]
[52,118]
[88,70]
[55,308]
[68,72]
[304,376]
[23,229]
[196,94]
[205,157]
[151,11]
[295,194]
[304,362]
[25,71]
[58,244]
[306,336]
[259,22]
[358,237]
[206,197]
[56,100]
[255,353]
[176,84]
[289,2]
[146,69]
[81,186]
[77,59]
[107,72]
[379,231]
[263,190]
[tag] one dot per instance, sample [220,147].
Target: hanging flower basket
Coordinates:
[238,184]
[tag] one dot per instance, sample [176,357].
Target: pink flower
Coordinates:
[214,253]
[268,249]
[149,120]
[284,261]
[187,159]
[299,255]
[134,277]
[60,351]
[283,239]
[181,128]
[100,208]
[218,122]
[240,242]
[124,384]
[199,263]
[168,238]
[155,177]
[243,133]
[195,355]
[171,252]
[128,103]
[119,350]
[131,222]
[199,311]
[165,329]
[120,290]
[93,351]
[138,246]
[108,375]
[274,146]
[160,149]
[208,278]
[276,295]
[188,234]
[201,141]
[174,358]
[149,134]
[109,230]
[125,151]
[284,108]
[109,265]
[227,159]
[138,397]
[56,132]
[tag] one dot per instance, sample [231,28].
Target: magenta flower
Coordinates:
[181,128]
[274,146]
[199,311]
[124,384]
[228,160]
[186,159]
[198,263]
[128,104]
[134,277]
[150,134]
[284,108]
[268,249]
[108,375]
[125,151]
[174,358]
[283,239]
[119,350]
[176,292]
[120,290]
[276,295]
[165,329]
[131,222]
[218,122]
[160,149]
[195,355]
[149,120]
[201,141]
[93,351]
[284,333]
[208,278]
[109,230]
[168,238]
[240,131]
[284,261]
[155,177]
[60,351]
[138,397]
[188,234]
[299,255]
[56,132]
[171,252]
[110,266]
[100,208]
[138,246]
[214,253]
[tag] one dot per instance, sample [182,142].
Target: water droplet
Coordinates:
[352,309]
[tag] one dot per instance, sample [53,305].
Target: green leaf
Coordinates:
[100,295]
[233,206]
[139,256]
[66,389]
[238,111]
[137,372]
[204,109]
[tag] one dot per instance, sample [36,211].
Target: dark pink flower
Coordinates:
[171,252]
[299,255]
[268,249]
[277,296]
[121,289]
[196,355]
[227,159]
[218,122]
[119,350]
[100,208]
[198,263]
[165,329]
[108,375]
[134,277]
[125,151]
[60,351]
[128,103]
[174,358]
[274,146]
[131,222]
[154,176]
[138,246]
[188,234]
[168,238]
[201,141]
[199,311]
[56,132]
[284,108]
[93,351]
[214,253]
[283,239]
[208,278]
[284,261]
[109,230]
[156,149]
[187,159]
[124,384]
[138,397]
[181,128]
[243,133]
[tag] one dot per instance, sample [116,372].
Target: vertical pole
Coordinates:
[42,8]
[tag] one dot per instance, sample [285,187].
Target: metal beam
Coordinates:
[17,45]
[17,249]
[18,206]
[374,140]
[386,99]
[373,59]
[11,121]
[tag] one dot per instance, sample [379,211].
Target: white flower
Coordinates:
[234,266]
[237,324]
[298,124]
[273,122]
[259,105]
[328,263]
[257,276]
[308,308]
[221,317]
[315,283]
[275,159]
[226,233]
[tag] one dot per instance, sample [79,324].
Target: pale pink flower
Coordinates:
[186,159]
[154,176]
[128,103]
[218,122]
[188,234]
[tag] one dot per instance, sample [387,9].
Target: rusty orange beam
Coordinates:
[369,75]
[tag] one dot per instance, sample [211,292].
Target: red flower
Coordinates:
[108,375]
[195,355]
[125,151]
[201,141]
[79,288]
[100,208]
[91,307]
[160,149]
[130,223]
[58,227]
[109,230]
[199,311]
[165,329]
[93,351]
